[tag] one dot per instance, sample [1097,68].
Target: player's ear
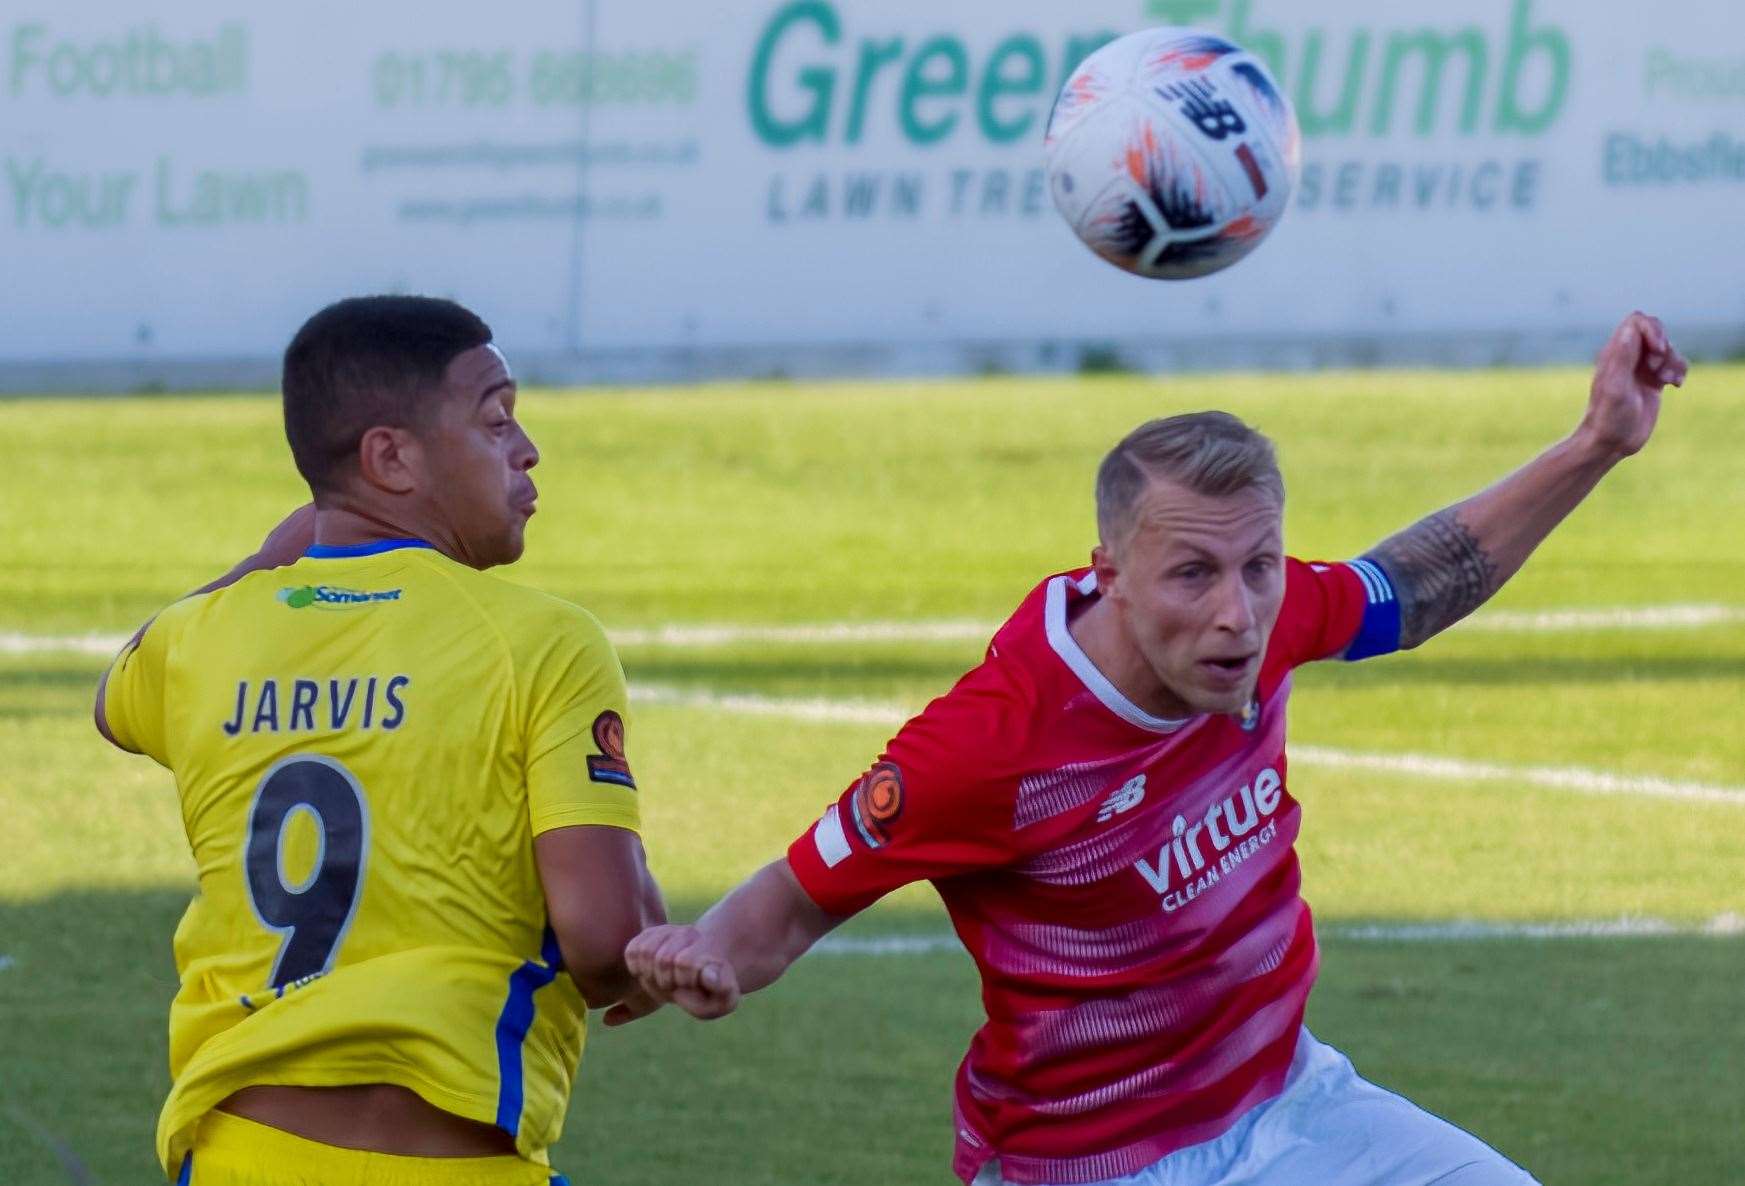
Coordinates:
[390,460]
[1104,565]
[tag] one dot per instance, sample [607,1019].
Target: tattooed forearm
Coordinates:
[1440,574]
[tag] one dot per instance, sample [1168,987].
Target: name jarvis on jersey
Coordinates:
[308,706]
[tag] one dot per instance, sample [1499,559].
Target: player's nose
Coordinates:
[525,455]
[1235,606]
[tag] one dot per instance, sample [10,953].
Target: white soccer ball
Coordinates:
[1172,153]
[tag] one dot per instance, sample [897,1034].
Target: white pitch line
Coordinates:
[1647,617]
[721,634]
[1557,621]
[729,633]
[699,635]
[820,710]
[1564,778]
[887,944]
[64,644]
[1722,926]
[1554,621]
[814,710]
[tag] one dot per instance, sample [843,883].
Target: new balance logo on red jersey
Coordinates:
[1129,796]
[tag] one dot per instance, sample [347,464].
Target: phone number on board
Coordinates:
[546,78]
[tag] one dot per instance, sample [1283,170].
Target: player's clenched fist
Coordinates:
[678,964]
[1633,368]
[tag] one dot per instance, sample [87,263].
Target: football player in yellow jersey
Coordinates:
[405,787]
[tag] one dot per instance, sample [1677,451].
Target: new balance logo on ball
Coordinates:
[1130,795]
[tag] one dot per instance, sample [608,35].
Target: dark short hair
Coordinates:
[1211,453]
[364,362]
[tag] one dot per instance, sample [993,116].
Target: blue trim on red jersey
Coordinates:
[512,1026]
[351,551]
[1379,632]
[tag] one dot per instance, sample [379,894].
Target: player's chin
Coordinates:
[1223,699]
[506,545]
[1227,706]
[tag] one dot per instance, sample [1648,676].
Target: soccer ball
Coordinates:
[1172,153]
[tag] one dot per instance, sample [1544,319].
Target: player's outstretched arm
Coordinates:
[744,943]
[284,544]
[1451,563]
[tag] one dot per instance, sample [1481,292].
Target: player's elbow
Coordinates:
[593,955]
[603,986]
[597,893]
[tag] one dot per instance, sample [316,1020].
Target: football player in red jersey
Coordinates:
[1103,805]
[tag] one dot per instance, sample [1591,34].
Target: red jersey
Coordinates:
[1127,885]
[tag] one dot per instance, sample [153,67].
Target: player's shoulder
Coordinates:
[1029,621]
[1303,597]
[1309,579]
[1021,642]
[999,695]
[992,699]
[1312,586]
[507,603]
[178,622]
[179,615]
[1363,574]
[530,620]
[977,732]
[1333,607]
[524,600]
[1031,641]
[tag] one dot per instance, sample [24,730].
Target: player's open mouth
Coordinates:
[1227,669]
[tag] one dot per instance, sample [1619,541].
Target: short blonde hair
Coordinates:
[1210,453]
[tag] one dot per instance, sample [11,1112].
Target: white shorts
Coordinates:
[1327,1126]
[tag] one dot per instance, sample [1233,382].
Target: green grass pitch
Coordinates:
[1590,1060]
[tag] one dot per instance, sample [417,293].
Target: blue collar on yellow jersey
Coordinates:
[374,548]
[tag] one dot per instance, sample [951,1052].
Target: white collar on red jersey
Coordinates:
[1067,647]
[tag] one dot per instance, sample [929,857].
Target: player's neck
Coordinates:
[1104,640]
[349,526]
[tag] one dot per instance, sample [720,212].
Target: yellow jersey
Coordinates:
[365,744]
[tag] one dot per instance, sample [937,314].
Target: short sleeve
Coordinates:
[134,690]
[931,807]
[1348,610]
[578,769]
